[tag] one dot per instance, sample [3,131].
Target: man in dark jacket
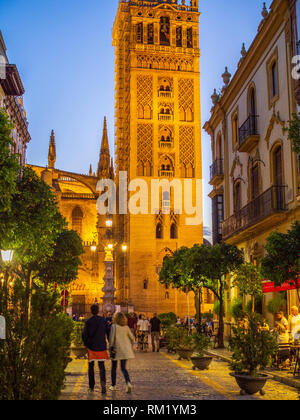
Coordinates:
[94,337]
[155,332]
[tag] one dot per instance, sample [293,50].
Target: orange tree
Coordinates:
[282,262]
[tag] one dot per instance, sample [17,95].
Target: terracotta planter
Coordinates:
[79,352]
[184,354]
[251,384]
[201,363]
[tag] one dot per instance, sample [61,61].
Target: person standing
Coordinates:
[281,326]
[95,335]
[120,342]
[155,324]
[143,327]
[132,322]
[294,322]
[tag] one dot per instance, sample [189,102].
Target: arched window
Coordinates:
[274,81]
[147,112]
[165,30]
[182,114]
[278,177]
[179,36]
[237,196]
[159,231]
[173,231]
[255,182]
[77,217]
[235,130]
[189,115]
[252,102]
[189,36]
[150,34]
[139,33]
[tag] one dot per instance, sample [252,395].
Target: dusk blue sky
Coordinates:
[63,50]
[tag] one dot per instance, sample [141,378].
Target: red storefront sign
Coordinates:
[268,287]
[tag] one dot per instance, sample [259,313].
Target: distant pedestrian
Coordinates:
[95,336]
[109,320]
[155,332]
[120,341]
[132,323]
[143,327]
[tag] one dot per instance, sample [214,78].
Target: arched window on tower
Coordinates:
[173,231]
[189,37]
[77,217]
[165,31]
[159,231]
[139,33]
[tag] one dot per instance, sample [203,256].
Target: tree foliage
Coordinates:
[252,347]
[282,262]
[202,266]
[248,279]
[294,132]
[9,165]
[62,266]
[34,356]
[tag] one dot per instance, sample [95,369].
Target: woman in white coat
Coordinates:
[120,341]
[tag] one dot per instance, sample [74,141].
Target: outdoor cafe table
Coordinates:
[297,355]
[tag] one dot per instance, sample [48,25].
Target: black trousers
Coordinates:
[114,365]
[92,374]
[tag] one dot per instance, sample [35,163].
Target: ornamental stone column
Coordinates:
[109,288]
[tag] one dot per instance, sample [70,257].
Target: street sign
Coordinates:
[268,287]
[64,294]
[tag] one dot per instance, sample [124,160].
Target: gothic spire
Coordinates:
[52,151]
[104,159]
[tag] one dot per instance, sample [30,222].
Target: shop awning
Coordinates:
[268,287]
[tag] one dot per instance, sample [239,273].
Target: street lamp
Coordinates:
[7,256]
[94,247]
[109,223]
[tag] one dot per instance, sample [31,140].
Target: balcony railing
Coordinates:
[248,134]
[217,169]
[270,202]
[74,196]
[165,94]
[165,117]
[166,174]
[166,144]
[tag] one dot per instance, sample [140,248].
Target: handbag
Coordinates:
[112,350]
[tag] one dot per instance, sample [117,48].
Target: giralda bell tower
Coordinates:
[158,136]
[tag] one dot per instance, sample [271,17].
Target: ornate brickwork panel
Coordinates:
[145,91]
[186,93]
[145,143]
[165,62]
[187,146]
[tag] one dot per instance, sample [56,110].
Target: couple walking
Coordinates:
[96,333]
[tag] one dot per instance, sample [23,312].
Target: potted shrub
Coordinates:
[253,349]
[180,342]
[201,344]
[78,349]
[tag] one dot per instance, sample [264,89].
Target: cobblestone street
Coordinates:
[163,377]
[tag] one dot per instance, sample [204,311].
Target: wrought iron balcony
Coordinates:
[271,202]
[217,171]
[248,134]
